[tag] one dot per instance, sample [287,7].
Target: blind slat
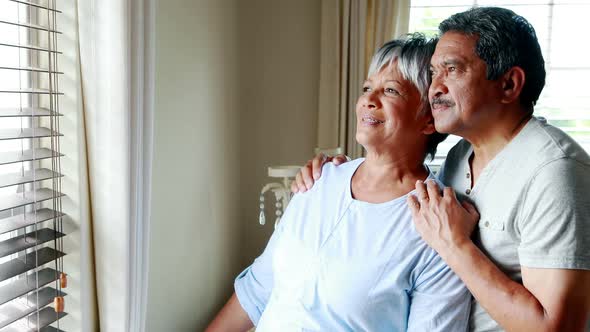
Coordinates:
[33,91]
[18,133]
[13,311]
[11,112]
[31,260]
[40,174]
[33,69]
[26,285]
[12,157]
[46,317]
[12,201]
[30,47]
[22,242]
[19,221]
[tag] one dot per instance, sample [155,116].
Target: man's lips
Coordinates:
[439,104]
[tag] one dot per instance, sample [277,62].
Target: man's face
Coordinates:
[460,95]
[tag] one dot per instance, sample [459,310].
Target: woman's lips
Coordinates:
[369,120]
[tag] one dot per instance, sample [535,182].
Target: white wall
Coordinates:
[236,90]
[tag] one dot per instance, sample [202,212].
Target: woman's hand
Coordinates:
[442,221]
[313,170]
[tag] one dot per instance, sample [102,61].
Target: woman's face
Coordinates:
[388,113]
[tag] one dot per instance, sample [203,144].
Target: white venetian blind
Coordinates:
[31,232]
[565,100]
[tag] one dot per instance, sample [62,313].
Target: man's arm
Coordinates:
[232,317]
[550,299]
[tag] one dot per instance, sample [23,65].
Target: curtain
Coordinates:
[117,77]
[352,30]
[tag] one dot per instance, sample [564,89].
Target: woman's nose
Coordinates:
[370,100]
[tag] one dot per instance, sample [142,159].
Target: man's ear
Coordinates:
[512,83]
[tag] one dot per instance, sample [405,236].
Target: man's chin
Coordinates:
[444,127]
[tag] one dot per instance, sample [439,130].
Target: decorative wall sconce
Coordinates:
[282,191]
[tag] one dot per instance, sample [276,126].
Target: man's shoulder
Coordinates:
[546,143]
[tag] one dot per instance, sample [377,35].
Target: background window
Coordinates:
[565,100]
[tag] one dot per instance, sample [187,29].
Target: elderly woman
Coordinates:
[346,256]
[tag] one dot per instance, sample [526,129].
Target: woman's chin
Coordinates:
[365,139]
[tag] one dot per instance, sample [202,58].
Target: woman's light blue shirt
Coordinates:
[338,264]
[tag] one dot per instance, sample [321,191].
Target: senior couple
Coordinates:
[381,244]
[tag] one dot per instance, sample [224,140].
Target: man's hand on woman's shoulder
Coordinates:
[312,171]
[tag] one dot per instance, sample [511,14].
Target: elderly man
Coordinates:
[527,263]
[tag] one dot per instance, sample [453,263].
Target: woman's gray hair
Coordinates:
[412,55]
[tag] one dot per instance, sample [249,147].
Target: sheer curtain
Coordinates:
[351,32]
[115,66]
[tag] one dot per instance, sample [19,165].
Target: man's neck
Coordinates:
[487,143]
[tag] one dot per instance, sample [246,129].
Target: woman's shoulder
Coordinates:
[334,175]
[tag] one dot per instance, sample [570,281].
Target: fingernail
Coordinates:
[316,176]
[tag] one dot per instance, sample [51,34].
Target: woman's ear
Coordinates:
[512,84]
[428,128]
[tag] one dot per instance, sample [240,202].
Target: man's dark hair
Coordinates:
[505,40]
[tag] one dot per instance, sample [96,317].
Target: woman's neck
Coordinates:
[381,178]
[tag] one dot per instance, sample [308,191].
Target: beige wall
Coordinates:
[236,90]
[279,77]
[194,244]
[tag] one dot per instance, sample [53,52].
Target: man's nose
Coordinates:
[438,87]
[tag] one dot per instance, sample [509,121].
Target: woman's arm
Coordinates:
[439,301]
[232,317]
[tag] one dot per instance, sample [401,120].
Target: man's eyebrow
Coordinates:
[448,61]
[453,61]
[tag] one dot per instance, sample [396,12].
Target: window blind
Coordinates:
[31,219]
[565,101]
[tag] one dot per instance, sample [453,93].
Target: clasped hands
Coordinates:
[442,221]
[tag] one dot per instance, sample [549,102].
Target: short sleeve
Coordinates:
[254,285]
[554,222]
[439,301]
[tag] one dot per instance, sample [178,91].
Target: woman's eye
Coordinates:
[452,69]
[390,90]
[366,89]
